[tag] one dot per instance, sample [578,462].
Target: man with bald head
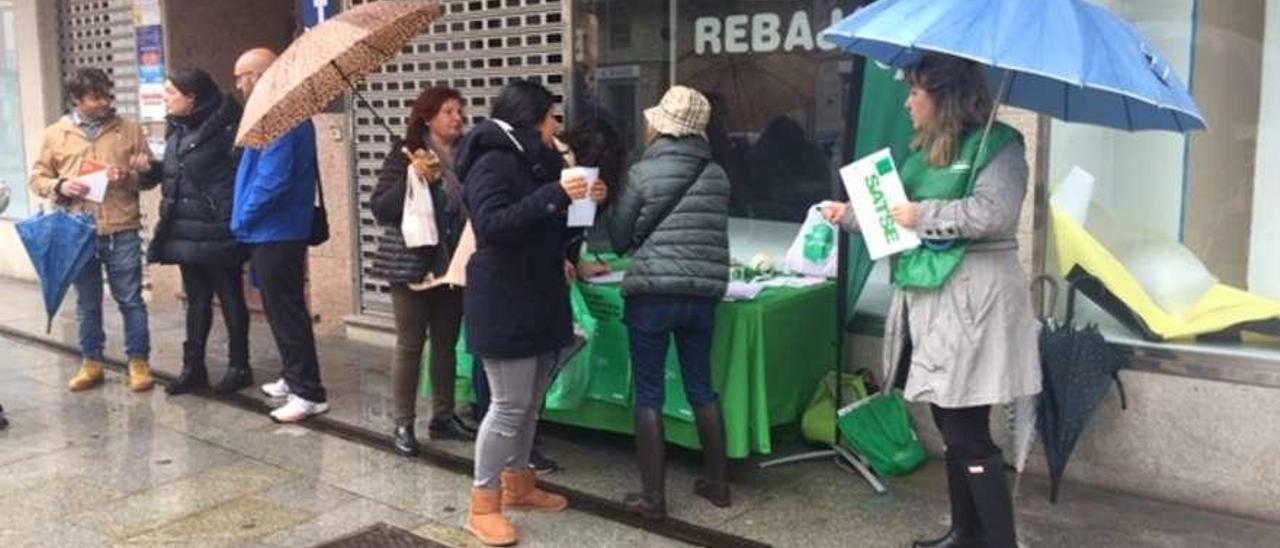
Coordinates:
[249,68]
[274,206]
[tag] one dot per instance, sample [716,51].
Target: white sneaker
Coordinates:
[278,389]
[298,409]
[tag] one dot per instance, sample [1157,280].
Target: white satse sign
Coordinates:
[874,188]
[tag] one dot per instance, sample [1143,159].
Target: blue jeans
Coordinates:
[121,255]
[650,326]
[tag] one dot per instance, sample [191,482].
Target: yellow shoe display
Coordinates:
[90,375]
[140,376]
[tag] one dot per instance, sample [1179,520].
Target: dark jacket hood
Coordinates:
[489,136]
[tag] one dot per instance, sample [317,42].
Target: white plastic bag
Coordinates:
[419,221]
[813,252]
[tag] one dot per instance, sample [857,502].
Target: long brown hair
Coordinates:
[961,101]
[426,107]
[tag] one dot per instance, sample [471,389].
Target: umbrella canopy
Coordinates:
[59,245]
[1077,366]
[323,62]
[1070,59]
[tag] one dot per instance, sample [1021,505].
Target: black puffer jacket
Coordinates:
[517,300]
[394,262]
[685,253]
[198,188]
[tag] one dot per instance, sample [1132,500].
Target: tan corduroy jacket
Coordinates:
[64,145]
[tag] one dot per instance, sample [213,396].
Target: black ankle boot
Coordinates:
[992,501]
[406,441]
[714,485]
[237,377]
[450,428]
[966,531]
[194,376]
[651,456]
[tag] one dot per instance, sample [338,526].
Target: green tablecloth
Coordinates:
[768,356]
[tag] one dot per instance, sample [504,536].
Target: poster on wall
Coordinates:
[149,35]
[151,73]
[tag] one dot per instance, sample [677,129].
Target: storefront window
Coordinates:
[779,95]
[12,170]
[1200,202]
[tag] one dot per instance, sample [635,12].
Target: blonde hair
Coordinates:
[958,88]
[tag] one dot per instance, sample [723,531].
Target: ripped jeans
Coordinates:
[517,388]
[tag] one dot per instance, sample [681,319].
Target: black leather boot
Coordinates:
[992,501]
[238,377]
[714,485]
[651,456]
[406,440]
[194,376]
[450,428]
[4,423]
[966,530]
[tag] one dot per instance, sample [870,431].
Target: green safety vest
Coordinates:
[929,266]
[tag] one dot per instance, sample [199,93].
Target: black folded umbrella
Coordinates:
[1078,366]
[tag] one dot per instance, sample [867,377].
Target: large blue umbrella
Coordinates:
[1070,59]
[59,245]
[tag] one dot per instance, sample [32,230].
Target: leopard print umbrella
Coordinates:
[325,61]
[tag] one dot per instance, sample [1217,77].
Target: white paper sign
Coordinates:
[1074,195]
[582,212]
[874,188]
[97,183]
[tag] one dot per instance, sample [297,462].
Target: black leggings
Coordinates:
[966,431]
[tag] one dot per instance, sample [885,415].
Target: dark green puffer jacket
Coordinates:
[685,254]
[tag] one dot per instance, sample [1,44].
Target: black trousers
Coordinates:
[966,431]
[201,283]
[281,272]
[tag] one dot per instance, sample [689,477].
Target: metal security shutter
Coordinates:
[99,33]
[476,48]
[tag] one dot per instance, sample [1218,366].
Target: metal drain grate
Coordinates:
[381,535]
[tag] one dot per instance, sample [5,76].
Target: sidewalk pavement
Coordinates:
[812,505]
[109,467]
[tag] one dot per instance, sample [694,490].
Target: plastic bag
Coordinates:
[818,424]
[879,427]
[419,221]
[813,252]
[573,380]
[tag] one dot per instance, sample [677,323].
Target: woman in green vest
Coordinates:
[960,333]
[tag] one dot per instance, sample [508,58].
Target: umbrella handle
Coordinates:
[362,101]
[1124,400]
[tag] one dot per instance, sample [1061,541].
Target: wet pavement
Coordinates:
[108,467]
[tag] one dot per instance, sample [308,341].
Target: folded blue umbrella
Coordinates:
[59,244]
[1070,59]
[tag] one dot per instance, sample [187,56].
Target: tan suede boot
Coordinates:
[520,492]
[486,521]
[140,376]
[90,375]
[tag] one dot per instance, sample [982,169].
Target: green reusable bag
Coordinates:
[570,386]
[879,428]
[818,424]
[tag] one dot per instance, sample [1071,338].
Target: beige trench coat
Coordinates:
[975,341]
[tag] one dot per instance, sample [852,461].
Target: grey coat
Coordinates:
[975,341]
[685,253]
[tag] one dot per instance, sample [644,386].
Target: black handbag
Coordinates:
[319,220]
